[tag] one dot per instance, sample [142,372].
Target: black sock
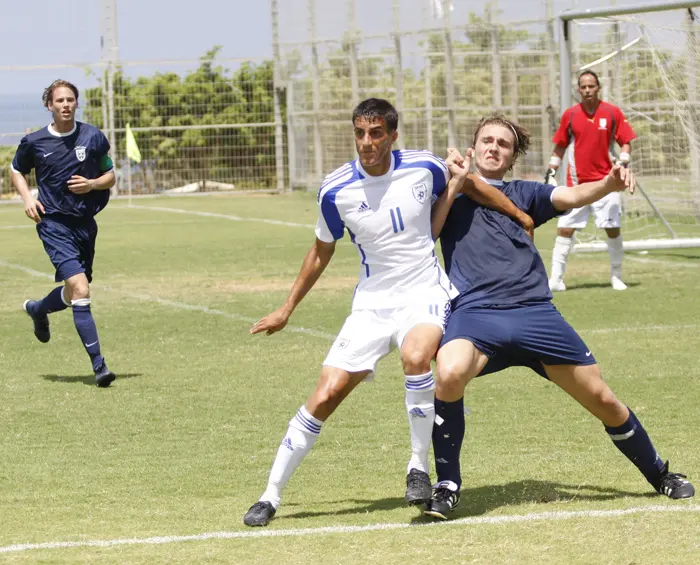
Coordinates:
[631,439]
[448,433]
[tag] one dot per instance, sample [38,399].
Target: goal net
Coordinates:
[647,63]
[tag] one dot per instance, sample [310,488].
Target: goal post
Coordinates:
[646,56]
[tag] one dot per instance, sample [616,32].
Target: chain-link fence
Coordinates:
[219,123]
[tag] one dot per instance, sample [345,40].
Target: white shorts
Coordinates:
[607,213]
[369,335]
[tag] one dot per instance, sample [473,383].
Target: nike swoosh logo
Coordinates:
[47,154]
[588,353]
[94,342]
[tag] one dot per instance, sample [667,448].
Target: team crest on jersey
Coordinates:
[80,152]
[603,123]
[420,192]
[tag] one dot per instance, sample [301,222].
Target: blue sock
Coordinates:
[52,302]
[448,433]
[632,440]
[87,330]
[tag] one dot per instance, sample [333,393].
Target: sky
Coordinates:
[64,37]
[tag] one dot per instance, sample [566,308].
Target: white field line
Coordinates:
[180,305]
[22,227]
[318,333]
[672,264]
[271,533]
[221,216]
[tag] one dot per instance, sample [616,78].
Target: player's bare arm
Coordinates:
[315,262]
[618,179]
[81,185]
[458,167]
[485,194]
[32,207]
[489,196]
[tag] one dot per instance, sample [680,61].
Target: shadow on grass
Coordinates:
[583,286]
[86,380]
[482,500]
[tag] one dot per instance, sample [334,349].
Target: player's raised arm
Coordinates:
[458,167]
[568,197]
[489,196]
[315,262]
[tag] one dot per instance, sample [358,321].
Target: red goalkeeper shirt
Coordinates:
[591,137]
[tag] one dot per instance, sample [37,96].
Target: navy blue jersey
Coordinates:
[56,158]
[489,257]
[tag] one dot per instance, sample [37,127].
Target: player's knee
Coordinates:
[78,289]
[416,361]
[452,375]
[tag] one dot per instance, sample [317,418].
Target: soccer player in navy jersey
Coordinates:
[384,201]
[503,315]
[74,174]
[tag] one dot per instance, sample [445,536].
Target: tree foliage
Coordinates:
[177,146]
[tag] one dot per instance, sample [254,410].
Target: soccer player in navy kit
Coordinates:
[74,174]
[504,316]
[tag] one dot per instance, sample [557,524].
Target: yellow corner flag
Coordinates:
[132,150]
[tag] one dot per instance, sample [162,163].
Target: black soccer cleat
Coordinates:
[104,377]
[41,323]
[674,485]
[418,487]
[442,502]
[259,514]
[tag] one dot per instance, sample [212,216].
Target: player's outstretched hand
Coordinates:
[79,185]
[33,208]
[271,323]
[621,178]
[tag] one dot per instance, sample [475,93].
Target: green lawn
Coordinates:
[182,442]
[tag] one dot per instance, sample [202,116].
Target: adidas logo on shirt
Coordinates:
[364,207]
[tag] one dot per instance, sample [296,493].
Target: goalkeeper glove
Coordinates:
[550,177]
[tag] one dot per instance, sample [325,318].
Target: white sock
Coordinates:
[616,253]
[562,247]
[298,441]
[420,406]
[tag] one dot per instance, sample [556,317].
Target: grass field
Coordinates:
[160,467]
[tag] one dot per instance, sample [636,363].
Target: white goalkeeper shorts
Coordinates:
[607,213]
[369,335]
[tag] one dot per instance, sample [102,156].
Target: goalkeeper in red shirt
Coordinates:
[590,128]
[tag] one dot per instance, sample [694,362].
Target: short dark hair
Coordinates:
[522,136]
[584,73]
[47,96]
[373,109]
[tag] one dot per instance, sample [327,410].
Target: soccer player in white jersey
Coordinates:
[383,199]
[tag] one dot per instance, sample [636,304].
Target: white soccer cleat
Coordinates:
[617,283]
[557,286]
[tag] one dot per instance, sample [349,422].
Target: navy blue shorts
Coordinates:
[70,244]
[524,336]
